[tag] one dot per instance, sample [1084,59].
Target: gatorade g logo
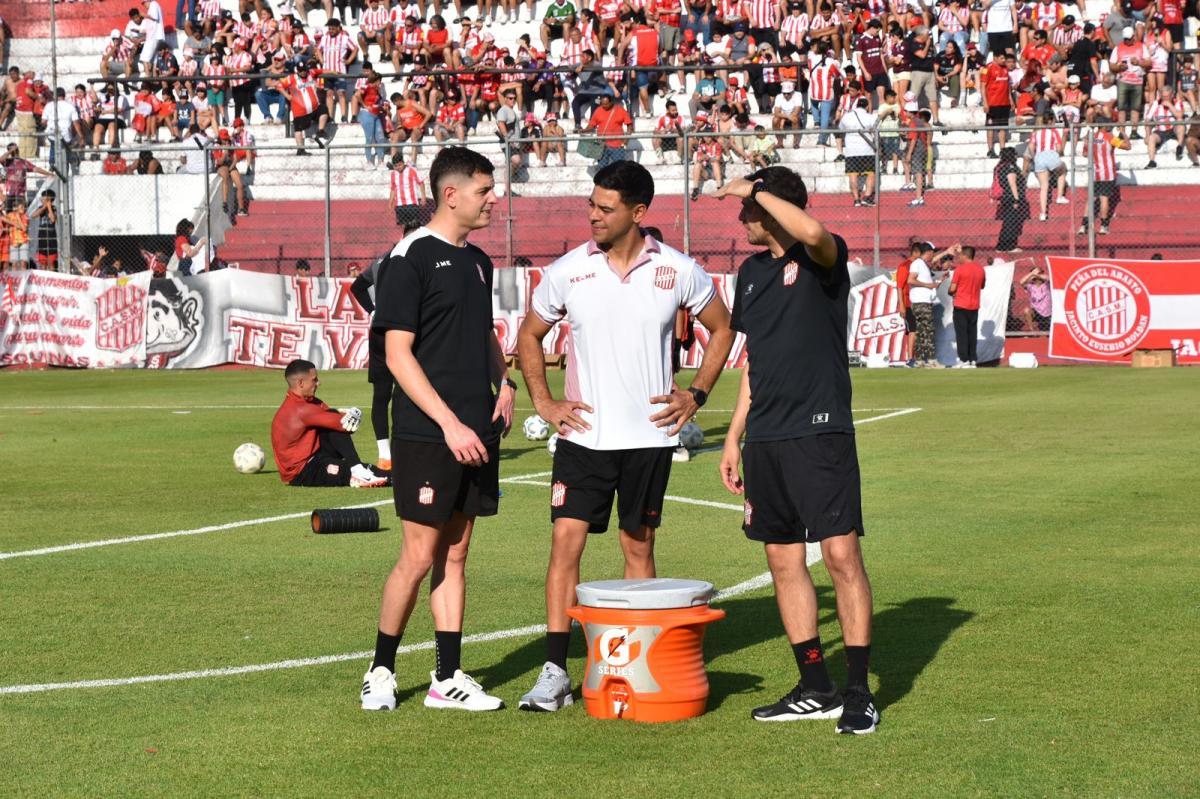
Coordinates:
[617,650]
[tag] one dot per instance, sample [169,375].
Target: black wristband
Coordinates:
[699,395]
[508,381]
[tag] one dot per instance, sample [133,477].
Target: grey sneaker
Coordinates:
[551,692]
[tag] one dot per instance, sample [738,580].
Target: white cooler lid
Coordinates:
[654,594]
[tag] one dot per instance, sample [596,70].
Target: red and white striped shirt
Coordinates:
[302,91]
[1104,157]
[403,11]
[120,50]
[1045,139]
[948,21]
[847,102]
[709,151]
[668,124]
[406,185]
[410,39]
[572,53]
[188,67]
[244,30]
[762,13]
[334,49]
[1066,37]
[730,9]
[587,36]
[876,8]
[210,9]
[213,71]
[237,61]
[794,29]
[374,20]
[85,106]
[1165,115]
[1047,15]
[821,79]
[451,114]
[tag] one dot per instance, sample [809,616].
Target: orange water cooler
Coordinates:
[645,647]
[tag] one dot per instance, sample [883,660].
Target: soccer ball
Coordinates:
[691,437]
[536,428]
[249,458]
[552,444]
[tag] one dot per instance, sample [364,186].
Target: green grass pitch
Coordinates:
[1031,539]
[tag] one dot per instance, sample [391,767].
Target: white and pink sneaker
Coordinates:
[460,692]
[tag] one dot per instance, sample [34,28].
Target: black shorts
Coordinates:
[1106,188]
[802,489]
[408,216]
[998,114]
[323,470]
[555,30]
[880,81]
[999,42]
[585,480]
[429,485]
[910,321]
[377,368]
[301,124]
[860,164]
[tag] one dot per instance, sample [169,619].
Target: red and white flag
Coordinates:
[1103,310]
[9,300]
[876,324]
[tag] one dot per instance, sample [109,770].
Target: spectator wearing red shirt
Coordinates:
[25,100]
[114,164]
[997,99]
[902,304]
[311,441]
[610,119]
[966,286]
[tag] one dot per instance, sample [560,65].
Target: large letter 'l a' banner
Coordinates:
[1103,310]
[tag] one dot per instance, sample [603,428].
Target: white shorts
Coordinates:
[1047,161]
[148,50]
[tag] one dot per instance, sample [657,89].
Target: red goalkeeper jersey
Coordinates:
[294,432]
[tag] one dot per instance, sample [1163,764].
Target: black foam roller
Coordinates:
[347,520]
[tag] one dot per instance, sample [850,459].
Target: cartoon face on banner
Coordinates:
[174,321]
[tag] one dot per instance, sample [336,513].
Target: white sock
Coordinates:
[385,449]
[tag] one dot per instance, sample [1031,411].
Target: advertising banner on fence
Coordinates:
[1104,309]
[258,319]
[67,320]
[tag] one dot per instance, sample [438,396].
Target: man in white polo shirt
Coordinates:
[622,411]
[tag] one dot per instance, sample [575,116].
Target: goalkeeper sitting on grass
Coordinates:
[312,441]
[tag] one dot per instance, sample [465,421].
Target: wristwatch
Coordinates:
[759,185]
[508,381]
[699,395]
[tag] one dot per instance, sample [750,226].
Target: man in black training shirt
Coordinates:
[433,300]
[802,480]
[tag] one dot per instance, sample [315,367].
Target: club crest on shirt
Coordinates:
[664,278]
[747,512]
[558,495]
[425,495]
[790,272]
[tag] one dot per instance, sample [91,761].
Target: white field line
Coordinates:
[212,528]
[746,586]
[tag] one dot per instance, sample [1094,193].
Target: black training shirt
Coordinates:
[443,294]
[793,313]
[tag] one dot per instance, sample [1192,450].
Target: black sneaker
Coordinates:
[859,715]
[1179,152]
[1151,164]
[799,704]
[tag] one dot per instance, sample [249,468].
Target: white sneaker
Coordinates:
[551,692]
[681,455]
[459,692]
[1062,201]
[379,689]
[362,477]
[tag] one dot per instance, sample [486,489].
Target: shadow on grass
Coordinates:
[905,638]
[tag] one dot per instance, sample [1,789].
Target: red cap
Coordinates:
[239,122]
[915,22]
[223,134]
[689,35]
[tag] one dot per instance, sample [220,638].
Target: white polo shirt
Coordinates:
[622,330]
[917,294]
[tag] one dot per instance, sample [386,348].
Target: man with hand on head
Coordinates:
[433,302]
[621,414]
[802,477]
[311,441]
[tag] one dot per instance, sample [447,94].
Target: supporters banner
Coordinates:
[66,320]
[1104,309]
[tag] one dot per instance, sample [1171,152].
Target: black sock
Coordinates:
[385,650]
[449,653]
[556,648]
[857,658]
[811,661]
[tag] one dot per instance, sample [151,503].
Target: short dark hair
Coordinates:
[298,367]
[456,162]
[184,227]
[784,184]
[629,179]
[968,251]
